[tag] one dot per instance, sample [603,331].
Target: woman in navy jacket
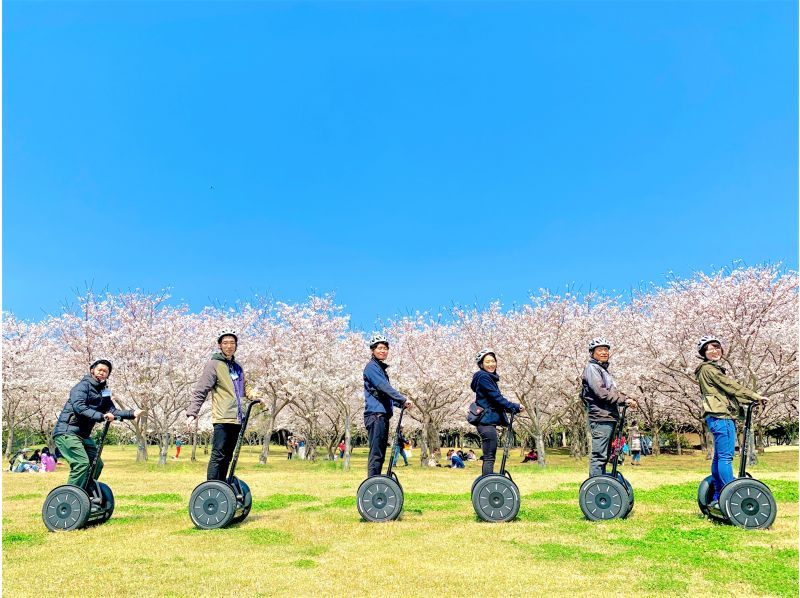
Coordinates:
[494,404]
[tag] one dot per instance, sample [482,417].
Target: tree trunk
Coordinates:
[139,428]
[347,441]
[656,442]
[163,448]
[709,438]
[538,437]
[268,429]
[678,441]
[194,446]
[10,441]
[752,454]
[564,438]
[206,440]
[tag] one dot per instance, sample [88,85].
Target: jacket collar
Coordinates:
[383,364]
[602,364]
[95,383]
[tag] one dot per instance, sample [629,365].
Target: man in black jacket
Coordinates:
[89,402]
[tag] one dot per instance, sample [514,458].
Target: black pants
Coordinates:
[378,431]
[222,445]
[489,446]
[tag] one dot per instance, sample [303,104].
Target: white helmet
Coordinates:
[704,340]
[598,342]
[227,332]
[483,353]
[378,338]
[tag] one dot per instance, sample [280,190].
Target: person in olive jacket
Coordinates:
[223,378]
[721,398]
[494,405]
[89,402]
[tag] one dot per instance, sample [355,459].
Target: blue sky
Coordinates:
[404,155]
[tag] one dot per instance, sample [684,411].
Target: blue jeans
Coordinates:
[724,431]
[398,452]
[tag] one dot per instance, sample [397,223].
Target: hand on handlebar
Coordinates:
[109,417]
[408,404]
[631,404]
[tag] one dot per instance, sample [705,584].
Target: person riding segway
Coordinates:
[495,497]
[603,496]
[744,502]
[83,499]
[223,498]
[380,497]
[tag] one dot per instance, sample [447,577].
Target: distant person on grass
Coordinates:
[89,403]
[223,378]
[398,450]
[494,405]
[721,397]
[602,399]
[636,443]
[379,397]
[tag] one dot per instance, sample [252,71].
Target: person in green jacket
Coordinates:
[721,398]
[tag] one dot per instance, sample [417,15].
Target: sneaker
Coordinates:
[714,504]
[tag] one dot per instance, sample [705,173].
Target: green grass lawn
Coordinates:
[304,536]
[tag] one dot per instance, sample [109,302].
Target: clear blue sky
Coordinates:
[404,155]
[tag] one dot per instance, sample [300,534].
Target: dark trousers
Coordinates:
[378,432]
[222,445]
[601,446]
[489,446]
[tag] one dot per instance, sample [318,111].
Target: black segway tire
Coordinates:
[106,504]
[629,490]
[246,501]
[705,494]
[748,503]
[379,499]
[66,508]
[212,505]
[495,498]
[603,497]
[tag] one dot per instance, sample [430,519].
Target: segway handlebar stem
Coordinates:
[396,438]
[617,436]
[100,444]
[748,420]
[239,441]
[507,447]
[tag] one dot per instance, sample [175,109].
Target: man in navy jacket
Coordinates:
[379,397]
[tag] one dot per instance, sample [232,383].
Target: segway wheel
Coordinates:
[380,499]
[495,498]
[705,494]
[603,497]
[212,505]
[66,508]
[748,503]
[472,490]
[629,490]
[246,501]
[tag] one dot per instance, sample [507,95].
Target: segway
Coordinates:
[70,507]
[495,496]
[743,502]
[380,497]
[216,504]
[608,496]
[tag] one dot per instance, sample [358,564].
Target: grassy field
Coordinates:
[304,536]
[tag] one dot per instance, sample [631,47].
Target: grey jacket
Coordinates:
[600,394]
